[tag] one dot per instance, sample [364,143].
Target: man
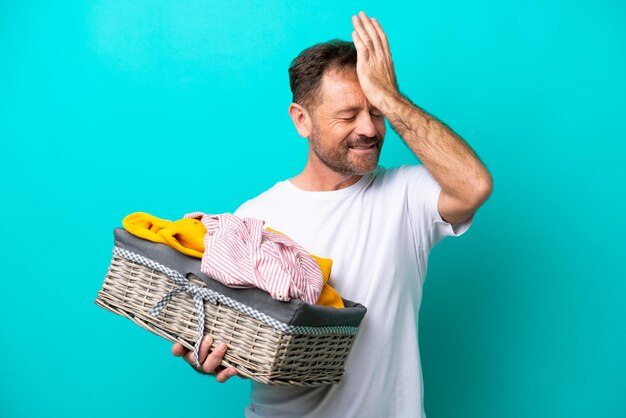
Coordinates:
[377,225]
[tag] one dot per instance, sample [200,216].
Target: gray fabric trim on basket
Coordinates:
[294,313]
[215,297]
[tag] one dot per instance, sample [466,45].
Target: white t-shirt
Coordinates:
[378,232]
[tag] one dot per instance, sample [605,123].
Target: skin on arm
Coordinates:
[464,180]
[210,363]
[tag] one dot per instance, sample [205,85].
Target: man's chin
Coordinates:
[362,169]
[352,164]
[365,164]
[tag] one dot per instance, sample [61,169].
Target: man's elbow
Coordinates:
[483,189]
[478,191]
[475,194]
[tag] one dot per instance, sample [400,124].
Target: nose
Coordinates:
[365,126]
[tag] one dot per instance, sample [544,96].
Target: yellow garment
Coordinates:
[187,236]
[329,296]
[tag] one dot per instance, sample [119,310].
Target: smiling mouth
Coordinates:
[363,147]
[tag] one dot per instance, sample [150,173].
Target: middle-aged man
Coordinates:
[377,225]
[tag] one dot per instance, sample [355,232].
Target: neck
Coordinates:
[317,177]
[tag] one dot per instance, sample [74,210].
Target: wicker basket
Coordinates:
[182,305]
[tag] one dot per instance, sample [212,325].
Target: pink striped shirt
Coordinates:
[238,252]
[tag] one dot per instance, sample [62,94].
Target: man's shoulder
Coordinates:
[264,198]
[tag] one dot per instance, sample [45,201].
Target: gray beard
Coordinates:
[339,162]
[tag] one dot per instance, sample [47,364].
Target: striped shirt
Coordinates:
[238,252]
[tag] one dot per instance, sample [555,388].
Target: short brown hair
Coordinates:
[307,69]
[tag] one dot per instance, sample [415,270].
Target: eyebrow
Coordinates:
[354,108]
[348,109]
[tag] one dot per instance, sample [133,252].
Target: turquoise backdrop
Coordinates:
[111,107]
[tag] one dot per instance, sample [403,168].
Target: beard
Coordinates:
[341,159]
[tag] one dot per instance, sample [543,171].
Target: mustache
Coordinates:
[365,140]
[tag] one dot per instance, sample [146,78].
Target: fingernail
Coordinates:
[207,338]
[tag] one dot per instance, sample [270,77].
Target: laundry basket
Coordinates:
[279,343]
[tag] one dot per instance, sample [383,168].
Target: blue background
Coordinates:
[111,107]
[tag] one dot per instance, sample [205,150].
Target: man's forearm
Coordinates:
[447,157]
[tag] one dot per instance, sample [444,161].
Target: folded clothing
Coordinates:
[276,261]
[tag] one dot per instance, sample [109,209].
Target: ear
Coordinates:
[301,119]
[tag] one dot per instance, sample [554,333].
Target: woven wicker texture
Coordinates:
[257,350]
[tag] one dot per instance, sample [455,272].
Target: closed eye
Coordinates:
[373,114]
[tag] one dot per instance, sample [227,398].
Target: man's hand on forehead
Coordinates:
[374,67]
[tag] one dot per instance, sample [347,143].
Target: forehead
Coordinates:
[341,89]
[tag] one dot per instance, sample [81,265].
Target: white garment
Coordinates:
[378,232]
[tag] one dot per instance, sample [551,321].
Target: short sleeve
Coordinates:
[422,198]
